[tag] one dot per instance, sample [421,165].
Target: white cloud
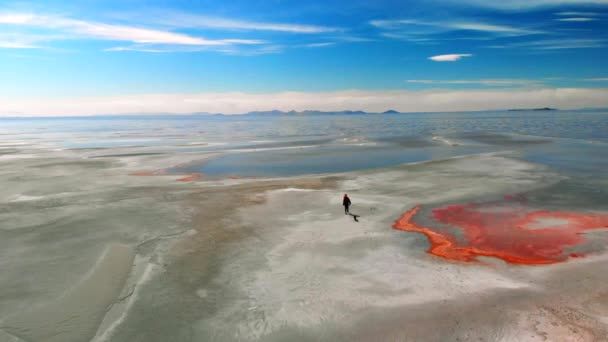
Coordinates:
[25,40]
[196,21]
[153,40]
[570,44]
[11,41]
[600,79]
[139,49]
[15,18]
[353,39]
[112,32]
[491,28]
[318,45]
[409,37]
[15,45]
[387,23]
[262,50]
[450,58]
[555,44]
[244,41]
[442,26]
[576,19]
[372,101]
[483,82]
[133,34]
[525,4]
[577,14]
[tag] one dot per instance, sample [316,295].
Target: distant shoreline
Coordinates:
[273,113]
[531,109]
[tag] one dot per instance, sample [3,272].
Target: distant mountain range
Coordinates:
[289,113]
[360,112]
[311,112]
[530,109]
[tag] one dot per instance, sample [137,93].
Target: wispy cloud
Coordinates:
[450,58]
[244,41]
[139,49]
[482,82]
[372,101]
[410,37]
[353,39]
[600,79]
[15,45]
[432,32]
[558,44]
[493,28]
[525,4]
[453,26]
[104,31]
[251,49]
[22,40]
[184,20]
[318,45]
[576,19]
[135,34]
[555,44]
[577,14]
[11,41]
[80,29]
[256,51]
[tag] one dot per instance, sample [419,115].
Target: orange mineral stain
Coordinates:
[191,178]
[513,233]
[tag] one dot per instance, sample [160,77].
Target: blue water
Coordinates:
[331,159]
[565,124]
[570,141]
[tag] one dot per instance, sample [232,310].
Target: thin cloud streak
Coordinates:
[112,32]
[318,45]
[233,50]
[139,49]
[577,14]
[453,26]
[555,44]
[450,58]
[13,45]
[183,20]
[16,18]
[15,42]
[519,5]
[492,28]
[371,101]
[578,19]
[484,82]
[263,50]
[26,41]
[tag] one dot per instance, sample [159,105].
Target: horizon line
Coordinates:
[303,112]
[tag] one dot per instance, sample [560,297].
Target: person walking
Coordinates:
[346,203]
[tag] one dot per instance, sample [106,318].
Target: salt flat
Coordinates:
[103,243]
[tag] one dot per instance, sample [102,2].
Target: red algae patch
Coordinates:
[514,233]
[191,178]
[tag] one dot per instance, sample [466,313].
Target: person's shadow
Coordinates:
[355,217]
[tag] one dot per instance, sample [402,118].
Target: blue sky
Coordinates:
[52,50]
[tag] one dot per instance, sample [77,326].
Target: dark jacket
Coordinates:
[346,201]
